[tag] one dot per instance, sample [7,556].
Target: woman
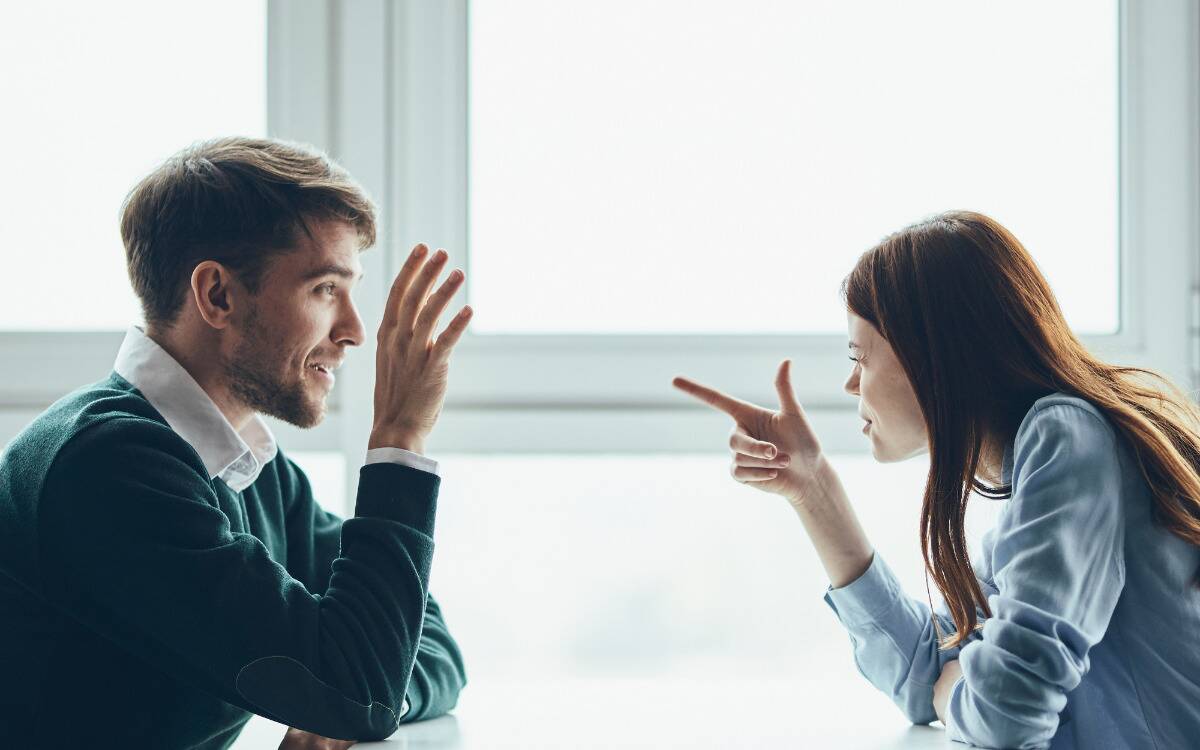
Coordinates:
[1079,626]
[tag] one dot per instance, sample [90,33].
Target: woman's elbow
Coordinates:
[915,701]
[1001,731]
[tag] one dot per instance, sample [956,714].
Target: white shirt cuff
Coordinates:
[402,457]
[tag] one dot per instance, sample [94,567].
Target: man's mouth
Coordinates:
[324,370]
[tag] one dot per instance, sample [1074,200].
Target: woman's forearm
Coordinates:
[833,527]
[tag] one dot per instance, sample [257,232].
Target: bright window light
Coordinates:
[326,472]
[654,566]
[97,95]
[700,167]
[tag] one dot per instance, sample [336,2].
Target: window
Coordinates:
[599,167]
[409,97]
[107,96]
[690,168]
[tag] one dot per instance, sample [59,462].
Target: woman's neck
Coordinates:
[991,462]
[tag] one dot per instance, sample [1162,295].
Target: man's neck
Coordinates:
[202,362]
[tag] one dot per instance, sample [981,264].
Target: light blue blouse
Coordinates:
[1094,639]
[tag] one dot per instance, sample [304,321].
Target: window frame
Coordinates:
[383,88]
[620,384]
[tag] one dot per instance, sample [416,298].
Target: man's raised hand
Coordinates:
[412,366]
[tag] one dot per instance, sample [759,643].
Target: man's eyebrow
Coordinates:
[330,269]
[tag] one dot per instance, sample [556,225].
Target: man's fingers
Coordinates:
[436,305]
[401,283]
[298,739]
[454,331]
[735,408]
[751,474]
[741,442]
[783,385]
[779,462]
[416,294]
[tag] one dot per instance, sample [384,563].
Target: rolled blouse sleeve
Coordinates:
[1059,571]
[894,641]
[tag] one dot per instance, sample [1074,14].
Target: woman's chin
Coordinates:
[882,456]
[892,455]
[885,453]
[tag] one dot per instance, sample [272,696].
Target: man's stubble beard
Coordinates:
[253,379]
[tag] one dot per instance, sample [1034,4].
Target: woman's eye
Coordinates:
[853,359]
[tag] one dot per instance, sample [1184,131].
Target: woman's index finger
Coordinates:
[734,407]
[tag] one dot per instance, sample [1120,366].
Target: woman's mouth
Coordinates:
[866,427]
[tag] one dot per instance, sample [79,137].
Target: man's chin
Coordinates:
[311,418]
[307,417]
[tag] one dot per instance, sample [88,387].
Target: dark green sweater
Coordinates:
[143,604]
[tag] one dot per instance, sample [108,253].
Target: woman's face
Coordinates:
[886,401]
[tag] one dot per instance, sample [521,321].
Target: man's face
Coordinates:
[293,334]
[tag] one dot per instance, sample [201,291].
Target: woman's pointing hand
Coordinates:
[773,450]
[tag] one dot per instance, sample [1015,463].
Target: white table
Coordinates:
[843,713]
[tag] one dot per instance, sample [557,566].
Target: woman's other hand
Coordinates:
[951,671]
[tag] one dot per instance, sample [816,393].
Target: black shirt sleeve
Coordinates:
[313,542]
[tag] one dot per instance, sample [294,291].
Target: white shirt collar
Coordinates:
[236,458]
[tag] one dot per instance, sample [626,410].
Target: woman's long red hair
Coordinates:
[981,337]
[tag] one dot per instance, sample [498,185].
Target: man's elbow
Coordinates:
[434,692]
[457,679]
[455,686]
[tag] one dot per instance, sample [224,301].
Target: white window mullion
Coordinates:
[1160,187]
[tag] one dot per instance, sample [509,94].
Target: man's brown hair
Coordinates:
[238,201]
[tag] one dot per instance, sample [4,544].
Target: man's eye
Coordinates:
[327,288]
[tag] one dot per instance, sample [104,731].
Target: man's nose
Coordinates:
[349,330]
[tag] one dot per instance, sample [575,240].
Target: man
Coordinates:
[164,569]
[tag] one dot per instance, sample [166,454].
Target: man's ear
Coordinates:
[214,292]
